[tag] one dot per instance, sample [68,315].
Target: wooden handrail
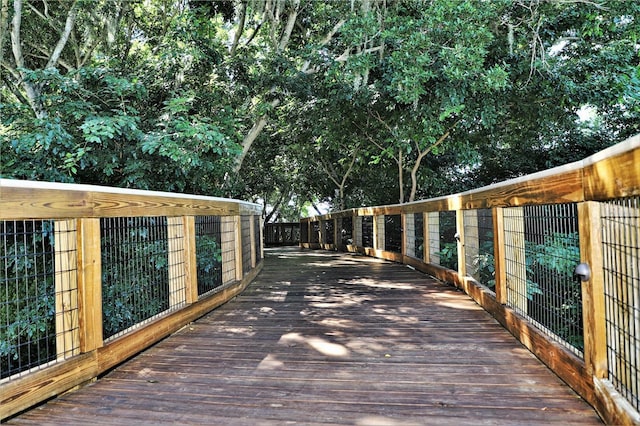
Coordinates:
[589,184]
[76,212]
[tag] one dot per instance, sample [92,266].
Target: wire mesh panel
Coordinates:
[38,294]
[245,226]
[542,250]
[328,231]
[478,242]
[393,233]
[434,237]
[208,253]
[418,241]
[315,232]
[367,231]
[621,260]
[257,237]
[346,230]
[448,245]
[304,232]
[135,271]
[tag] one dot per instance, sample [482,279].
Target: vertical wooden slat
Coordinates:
[177,262]
[379,232]
[471,241]
[227,229]
[434,240]
[252,237]
[237,226]
[499,255]
[357,231]
[191,261]
[593,304]
[89,284]
[426,250]
[462,264]
[408,235]
[66,289]
[515,259]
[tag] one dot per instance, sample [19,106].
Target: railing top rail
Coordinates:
[21,199]
[613,172]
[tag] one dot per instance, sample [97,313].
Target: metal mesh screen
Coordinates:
[346,230]
[328,231]
[367,231]
[478,242]
[434,237]
[448,245]
[418,227]
[315,232]
[38,294]
[304,232]
[393,233]
[245,224]
[135,271]
[621,259]
[208,253]
[542,249]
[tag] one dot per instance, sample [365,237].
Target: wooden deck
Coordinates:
[330,338]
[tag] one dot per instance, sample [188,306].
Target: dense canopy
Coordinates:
[300,102]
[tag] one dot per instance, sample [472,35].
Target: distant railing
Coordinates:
[282,234]
[89,276]
[515,248]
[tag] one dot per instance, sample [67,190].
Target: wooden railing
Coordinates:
[90,276]
[515,248]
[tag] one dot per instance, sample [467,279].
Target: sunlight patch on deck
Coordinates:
[319,344]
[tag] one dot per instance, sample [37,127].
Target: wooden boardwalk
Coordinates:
[330,338]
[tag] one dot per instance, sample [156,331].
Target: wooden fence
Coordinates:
[515,248]
[282,234]
[90,276]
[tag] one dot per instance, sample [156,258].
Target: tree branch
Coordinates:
[64,37]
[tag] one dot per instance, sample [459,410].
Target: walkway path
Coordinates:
[330,338]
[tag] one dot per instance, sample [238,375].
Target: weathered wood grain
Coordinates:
[327,338]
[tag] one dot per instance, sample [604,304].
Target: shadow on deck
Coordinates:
[330,338]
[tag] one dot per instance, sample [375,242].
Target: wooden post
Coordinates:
[515,259]
[177,262]
[89,284]
[471,242]
[593,305]
[252,237]
[408,235]
[426,252]
[237,223]
[66,289]
[379,232]
[460,243]
[191,260]
[357,231]
[499,255]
